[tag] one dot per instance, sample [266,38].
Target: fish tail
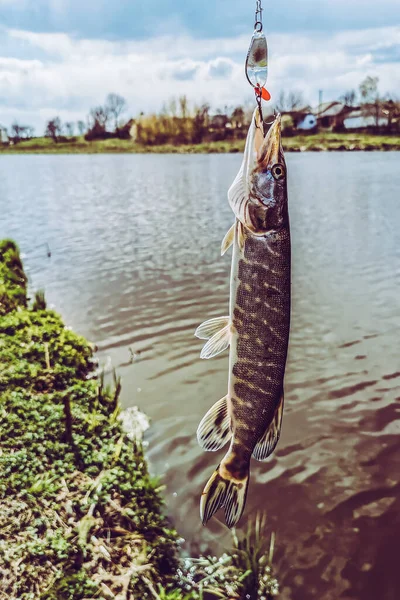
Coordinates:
[225,490]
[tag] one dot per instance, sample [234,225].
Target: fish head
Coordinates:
[267,185]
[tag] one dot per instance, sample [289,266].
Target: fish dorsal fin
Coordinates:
[214,430]
[228,240]
[267,443]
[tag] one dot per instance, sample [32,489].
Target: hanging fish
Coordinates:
[257,328]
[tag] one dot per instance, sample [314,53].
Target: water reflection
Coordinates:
[135,267]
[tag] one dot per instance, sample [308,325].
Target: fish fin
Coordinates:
[228,240]
[237,196]
[267,443]
[229,493]
[214,429]
[240,235]
[206,330]
[218,343]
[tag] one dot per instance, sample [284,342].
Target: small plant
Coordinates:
[244,573]
[40,301]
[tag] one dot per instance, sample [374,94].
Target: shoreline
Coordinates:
[80,514]
[320,142]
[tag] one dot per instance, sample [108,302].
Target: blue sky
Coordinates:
[60,57]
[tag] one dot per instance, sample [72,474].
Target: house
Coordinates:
[331,115]
[361,119]
[4,139]
[302,119]
[309,121]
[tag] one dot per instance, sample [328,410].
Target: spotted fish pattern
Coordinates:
[257,327]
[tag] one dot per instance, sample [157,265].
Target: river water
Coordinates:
[135,267]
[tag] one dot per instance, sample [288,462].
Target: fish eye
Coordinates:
[278,171]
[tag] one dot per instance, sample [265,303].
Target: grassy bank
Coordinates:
[80,516]
[316,143]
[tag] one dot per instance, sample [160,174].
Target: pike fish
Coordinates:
[257,328]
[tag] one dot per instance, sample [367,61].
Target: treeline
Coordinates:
[180,123]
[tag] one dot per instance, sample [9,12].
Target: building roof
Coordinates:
[354,114]
[329,109]
[305,110]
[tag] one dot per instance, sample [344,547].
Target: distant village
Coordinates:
[178,123]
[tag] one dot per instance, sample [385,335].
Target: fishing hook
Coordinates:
[258,26]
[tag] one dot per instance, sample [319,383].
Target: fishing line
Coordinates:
[256,66]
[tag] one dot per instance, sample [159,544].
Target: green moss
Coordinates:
[59,481]
[12,278]
[80,516]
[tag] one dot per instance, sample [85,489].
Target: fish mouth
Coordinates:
[261,150]
[270,148]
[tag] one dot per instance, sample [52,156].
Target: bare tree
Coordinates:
[69,126]
[372,103]
[289,101]
[172,107]
[21,132]
[200,123]
[16,131]
[115,106]
[54,129]
[81,127]
[349,98]
[369,89]
[183,105]
[100,115]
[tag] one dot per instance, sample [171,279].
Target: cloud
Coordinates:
[59,74]
[132,19]
[221,68]
[185,70]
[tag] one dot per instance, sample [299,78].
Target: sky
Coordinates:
[62,57]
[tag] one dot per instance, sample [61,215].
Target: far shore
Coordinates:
[318,142]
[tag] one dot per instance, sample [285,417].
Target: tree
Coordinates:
[200,123]
[349,98]
[369,89]
[54,129]
[100,115]
[81,127]
[115,106]
[183,105]
[289,101]
[21,132]
[391,110]
[369,92]
[69,126]
[16,132]
[237,117]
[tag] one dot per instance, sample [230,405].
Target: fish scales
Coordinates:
[257,327]
[262,307]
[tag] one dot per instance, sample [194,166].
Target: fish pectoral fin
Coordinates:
[206,330]
[228,240]
[267,443]
[218,343]
[214,429]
